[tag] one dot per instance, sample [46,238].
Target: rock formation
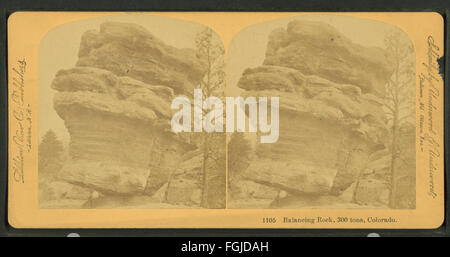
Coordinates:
[130,50]
[325,52]
[116,106]
[331,118]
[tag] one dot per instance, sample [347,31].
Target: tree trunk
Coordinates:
[393,182]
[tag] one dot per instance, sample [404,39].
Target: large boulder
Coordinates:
[331,109]
[116,106]
[130,50]
[318,98]
[115,124]
[107,177]
[294,177]
[320,49]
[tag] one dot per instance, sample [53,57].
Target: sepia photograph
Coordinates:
[105,139]
[226,120]
[346,88]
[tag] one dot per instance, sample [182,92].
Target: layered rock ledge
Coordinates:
[116,107]
[331,112]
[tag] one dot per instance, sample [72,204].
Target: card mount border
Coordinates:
[7,7]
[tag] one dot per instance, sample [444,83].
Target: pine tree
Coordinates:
[399,101]
[50,154]
[210,50]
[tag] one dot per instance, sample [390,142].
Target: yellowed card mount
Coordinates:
[226,120]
